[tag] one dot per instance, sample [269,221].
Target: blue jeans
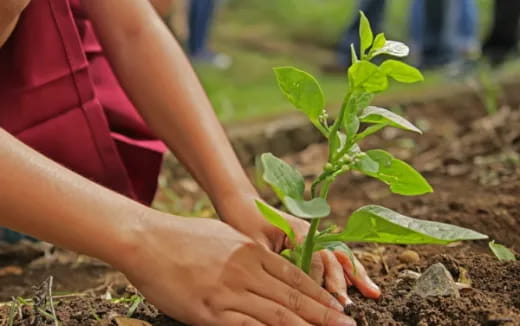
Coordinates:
[200,16]
[442,29]
[375,12]
[504,34]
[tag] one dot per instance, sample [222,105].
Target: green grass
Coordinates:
[260,35]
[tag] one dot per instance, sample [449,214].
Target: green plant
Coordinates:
[370,223]
[501,252]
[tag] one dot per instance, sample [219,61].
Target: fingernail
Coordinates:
[346,321]
[373,285]
[344,300]
[336,305]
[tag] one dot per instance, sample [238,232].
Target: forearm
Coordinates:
[43,199]
[161,83]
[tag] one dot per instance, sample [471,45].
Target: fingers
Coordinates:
[310,310]
[335,281]
[235,318]
[317,269]
[291,275]
[268,312]
[358,276]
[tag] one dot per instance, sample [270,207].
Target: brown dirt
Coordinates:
[472,161]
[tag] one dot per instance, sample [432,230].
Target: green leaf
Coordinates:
[342,140]
[367,77]
[379,42]
[401,177]
[401,71]
[315,208]
[366,164]
[369,131]
[287,254]
[393,48]
[365,34]
[338,143]
[302,90]
[276,219]
[352,126]
[293,255]
[355,58]
[363,100]
[377,115]
[285,180]
[501,252]
[379,224]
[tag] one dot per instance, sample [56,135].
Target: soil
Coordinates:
[471,159]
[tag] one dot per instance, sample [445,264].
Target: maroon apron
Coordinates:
[59,95]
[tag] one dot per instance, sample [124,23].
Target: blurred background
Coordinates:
[234,44]
[246,38]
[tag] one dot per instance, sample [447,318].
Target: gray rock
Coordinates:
[436,281]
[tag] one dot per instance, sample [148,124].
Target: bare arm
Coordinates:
[10,11]
[42,198]
[217,265]
[158,78]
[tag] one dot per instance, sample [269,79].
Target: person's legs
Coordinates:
[504,33]
[375,12]
[467,27]
[436,47]
[416,26]
[199,21]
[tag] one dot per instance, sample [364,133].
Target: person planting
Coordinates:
[79,163]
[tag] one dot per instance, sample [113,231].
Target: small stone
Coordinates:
[436,281]
[409,257]
[409,274]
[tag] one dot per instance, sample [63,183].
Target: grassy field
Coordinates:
[261,34]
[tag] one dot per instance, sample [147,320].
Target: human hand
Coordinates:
[203,272]
[333,269]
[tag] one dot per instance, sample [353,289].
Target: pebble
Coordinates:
[436,281]
[409,257]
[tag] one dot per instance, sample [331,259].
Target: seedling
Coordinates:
[370,223]
[501,252]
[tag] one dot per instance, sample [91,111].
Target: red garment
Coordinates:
[59,95]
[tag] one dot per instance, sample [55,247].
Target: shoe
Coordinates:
[218,60]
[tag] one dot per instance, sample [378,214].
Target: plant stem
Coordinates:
[337,124]
[12,312]
[316,183]
[324,192]
[51,302]
[322,129]
[308,245]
